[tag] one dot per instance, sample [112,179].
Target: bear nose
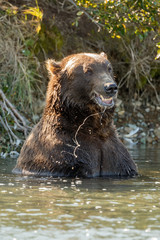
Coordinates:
[111,89]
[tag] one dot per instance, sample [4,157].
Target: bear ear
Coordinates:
[103,54]
[52,66]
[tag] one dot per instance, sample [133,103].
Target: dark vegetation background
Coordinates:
[32,31]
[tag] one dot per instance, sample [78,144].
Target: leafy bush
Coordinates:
[123,17]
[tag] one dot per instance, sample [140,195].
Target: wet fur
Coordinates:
[75,137]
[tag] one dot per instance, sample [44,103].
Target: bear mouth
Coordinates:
[102,101]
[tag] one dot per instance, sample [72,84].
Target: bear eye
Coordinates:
[89,71]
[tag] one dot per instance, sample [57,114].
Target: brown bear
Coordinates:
[76,136]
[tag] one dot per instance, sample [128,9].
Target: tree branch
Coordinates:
[99,25]
[14,110]
[19,120]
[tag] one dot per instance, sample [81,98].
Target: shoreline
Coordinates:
[140,124]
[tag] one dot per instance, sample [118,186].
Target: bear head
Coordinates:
[81,80]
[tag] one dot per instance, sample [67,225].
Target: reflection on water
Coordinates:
[73,209]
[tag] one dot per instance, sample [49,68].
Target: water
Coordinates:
[75,209]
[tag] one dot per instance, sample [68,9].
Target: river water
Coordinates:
[75,209]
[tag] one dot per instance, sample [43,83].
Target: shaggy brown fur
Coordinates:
[76,136]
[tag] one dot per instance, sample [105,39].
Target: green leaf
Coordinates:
[80,13]
[141,37]
[158,54]
[29,42]
[158,45]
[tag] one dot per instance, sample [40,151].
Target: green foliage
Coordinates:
[124,17]
[49,39]
[23,45]
[37,16]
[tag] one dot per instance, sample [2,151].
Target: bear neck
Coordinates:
[69,118]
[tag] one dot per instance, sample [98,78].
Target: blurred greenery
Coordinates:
[124,18]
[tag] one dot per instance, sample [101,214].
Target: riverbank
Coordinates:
[140,124]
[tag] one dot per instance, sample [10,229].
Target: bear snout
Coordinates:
[110,89]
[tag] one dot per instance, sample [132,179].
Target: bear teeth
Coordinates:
[105,102]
